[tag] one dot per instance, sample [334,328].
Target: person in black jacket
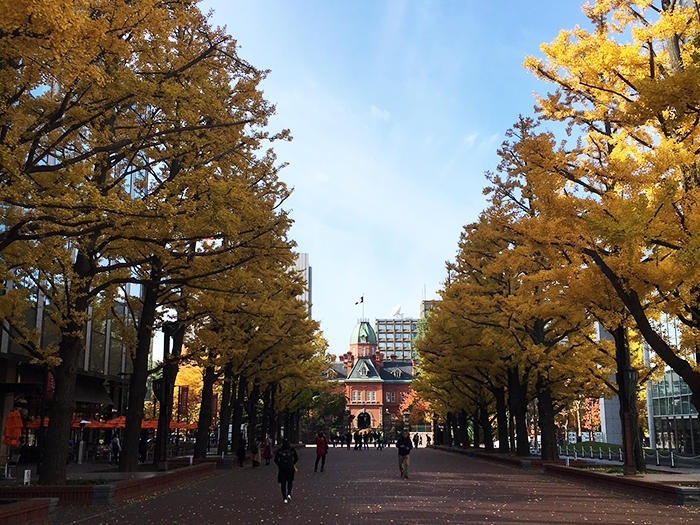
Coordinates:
[404,445]
[285,459]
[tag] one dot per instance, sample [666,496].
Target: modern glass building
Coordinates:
[103,375]
[674,417]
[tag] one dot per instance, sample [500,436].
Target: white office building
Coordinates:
[395,337]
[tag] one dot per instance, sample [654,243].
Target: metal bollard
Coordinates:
[621,460]
[673,463]
[658,461]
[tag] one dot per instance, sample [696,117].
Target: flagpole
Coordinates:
[362,302]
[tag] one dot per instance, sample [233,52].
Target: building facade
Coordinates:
[673,419]
[374,384]
[102,381]
[303,267]
[395,337]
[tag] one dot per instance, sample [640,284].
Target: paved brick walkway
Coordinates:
[364,487]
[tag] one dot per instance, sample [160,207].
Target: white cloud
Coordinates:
[379,114]
[321,176]
[470,140]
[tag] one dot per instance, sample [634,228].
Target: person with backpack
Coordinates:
[404,445]
[285,459]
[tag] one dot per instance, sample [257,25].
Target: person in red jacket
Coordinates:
[321,450]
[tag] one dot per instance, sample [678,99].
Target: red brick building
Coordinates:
[374,385]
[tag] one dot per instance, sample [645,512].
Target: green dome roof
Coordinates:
[363,333]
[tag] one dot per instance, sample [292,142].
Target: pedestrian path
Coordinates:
[364,487]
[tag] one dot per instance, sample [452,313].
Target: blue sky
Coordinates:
[397,108]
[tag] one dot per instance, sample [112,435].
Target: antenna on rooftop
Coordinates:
[396,311]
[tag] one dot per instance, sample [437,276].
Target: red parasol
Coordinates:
[13,429]
[117,422]
[79,422]
[36,422]
[153,424]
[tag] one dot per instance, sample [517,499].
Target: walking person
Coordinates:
[358,440]
[116,447]
[404,445]
[285,459]
[321,451]
[267,450]
[415,440]
[257,458]
[241,451]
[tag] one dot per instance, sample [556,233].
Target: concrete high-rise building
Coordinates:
[395,337]
[304,268]
[426,306]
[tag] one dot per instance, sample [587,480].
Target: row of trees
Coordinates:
[136,168]
[594,216]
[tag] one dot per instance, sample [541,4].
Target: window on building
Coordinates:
[115,340]
[97,347]
[390,397]
[371,396]
[356,396]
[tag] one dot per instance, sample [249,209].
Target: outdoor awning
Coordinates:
[91,390]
